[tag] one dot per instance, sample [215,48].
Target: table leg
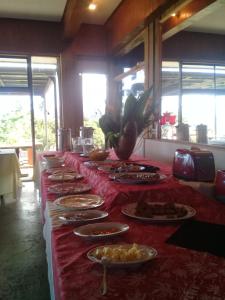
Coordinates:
[17,152]
[2,200]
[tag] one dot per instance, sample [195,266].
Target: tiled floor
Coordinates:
[23,267]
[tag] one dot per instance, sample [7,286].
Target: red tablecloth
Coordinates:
[176,273]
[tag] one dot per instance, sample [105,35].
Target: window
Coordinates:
[133,83]
[94,89]
[195,94]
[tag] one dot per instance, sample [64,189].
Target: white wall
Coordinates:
[163,150]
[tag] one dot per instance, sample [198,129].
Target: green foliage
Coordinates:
[138,110]
[48,141]
[15,128]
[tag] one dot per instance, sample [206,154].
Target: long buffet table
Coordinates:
[176,273]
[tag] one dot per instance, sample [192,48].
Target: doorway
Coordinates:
[94,90]
[29,107]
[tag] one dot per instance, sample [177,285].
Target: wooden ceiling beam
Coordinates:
[72,18]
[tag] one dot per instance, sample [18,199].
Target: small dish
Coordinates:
[98,155]
[101,230]
[53,161]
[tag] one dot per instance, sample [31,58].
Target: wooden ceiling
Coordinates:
[72,13]
[77,12]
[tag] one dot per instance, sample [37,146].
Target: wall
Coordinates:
[128,20]
[87,53]
[195,46]
[30,37]
[72,107]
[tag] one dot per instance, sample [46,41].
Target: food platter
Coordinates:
[101,230]
[96,164]
[122,254]
[78,217]
[137,177]
[121,169]
[59,170]
[79,202]
[69,188]
[64,176]
[158,211]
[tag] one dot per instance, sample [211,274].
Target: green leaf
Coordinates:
[107,124]
[112,139]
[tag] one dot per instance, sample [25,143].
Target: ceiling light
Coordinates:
[92,6]
[173,15]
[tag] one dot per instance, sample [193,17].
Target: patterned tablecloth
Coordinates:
[176,273]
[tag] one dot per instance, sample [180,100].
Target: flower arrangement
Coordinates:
[122,130]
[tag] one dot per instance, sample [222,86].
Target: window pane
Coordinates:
[197,76]
[198,109]
[94,88]
[220,77]
[220,111]
[170,78]
[170,104]
[132,84]
[13,72]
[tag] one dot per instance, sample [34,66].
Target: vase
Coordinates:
[126,141]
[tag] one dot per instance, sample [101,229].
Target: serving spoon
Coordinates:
[104,261]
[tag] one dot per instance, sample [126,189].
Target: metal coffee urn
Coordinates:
[64,139]
[201,134]
[182,132]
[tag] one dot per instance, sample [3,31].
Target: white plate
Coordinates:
[96,164]
[83,155]
[101,230]
[79,202]
[64,177]
[130,210]
[144,252]
[82,216]
[137,177]
[69,188]
[59,170]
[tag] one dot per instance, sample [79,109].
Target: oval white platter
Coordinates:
[66,170]
[69,188]
[101,230]
[64,176]
[79,202]
[71,217]
[137,177]
[128,168]
[96,164]
[145,253]
[130,210]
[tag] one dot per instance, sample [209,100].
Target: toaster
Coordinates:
[194,165]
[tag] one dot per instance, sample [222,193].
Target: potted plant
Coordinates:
[121,131]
